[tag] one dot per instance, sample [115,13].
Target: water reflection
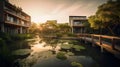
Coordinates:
[39,51]
[45,58]
[54,62]
[41,56]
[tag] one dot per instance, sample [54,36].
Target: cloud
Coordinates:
[58,9]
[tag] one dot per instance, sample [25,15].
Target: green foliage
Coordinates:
[59,34]
[71,34]
[9,43]
[48,29]
[70,53]
[78,48]
[61,55]
[21,36]
[34,28]
[64,28]
[4,50]
[21,52]
[66,46]
[73,42]
[51,28]
[5,37]
[2,42]
[106,17]
[95,23]
[51,42]
[76,64]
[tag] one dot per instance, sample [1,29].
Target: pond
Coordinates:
[42,56]
[54,62]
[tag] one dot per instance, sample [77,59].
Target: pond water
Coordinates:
[54,62]
[41,56]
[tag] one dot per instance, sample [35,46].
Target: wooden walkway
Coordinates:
[109,43]
[112,44]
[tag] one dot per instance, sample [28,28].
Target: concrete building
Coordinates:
[77,23]
[12,19]
[53,21]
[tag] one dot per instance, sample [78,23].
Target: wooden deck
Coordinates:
[98,40]
[112,47]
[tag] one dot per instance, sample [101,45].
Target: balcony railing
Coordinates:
[17,15]
[77,24]
[16,24]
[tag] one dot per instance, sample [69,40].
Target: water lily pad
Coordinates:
[70,53]
[66,46]
[61,55]
[76,64]
[21,52]
[78,48]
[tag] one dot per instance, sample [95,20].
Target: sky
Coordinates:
[60,10]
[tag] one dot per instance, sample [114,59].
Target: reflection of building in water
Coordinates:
[77,23]
[12,19]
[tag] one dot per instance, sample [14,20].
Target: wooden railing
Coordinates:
[114,41]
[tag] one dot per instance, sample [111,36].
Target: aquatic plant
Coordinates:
[66,46]
[76,64]
[21,52]
[70,53]
[61,55]
[78,48]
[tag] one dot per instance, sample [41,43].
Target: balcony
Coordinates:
[18,15]
[12,23]
[26,25]
[78,25]
[16,24]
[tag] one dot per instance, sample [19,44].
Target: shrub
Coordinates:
[2,42]
[59,34]
[71,34]
[5,37]
[21,36]
[4,50]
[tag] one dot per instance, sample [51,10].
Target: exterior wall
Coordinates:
[1,11]
[77,23]
[12,19]
[1,16]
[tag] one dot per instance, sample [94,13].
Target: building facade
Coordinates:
[77,24]
[12,19]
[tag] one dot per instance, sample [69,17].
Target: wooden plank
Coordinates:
[110,47]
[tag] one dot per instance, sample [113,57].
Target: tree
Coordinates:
[64,28]
[107,16]
[52,28]
[49,28]
[33,28]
